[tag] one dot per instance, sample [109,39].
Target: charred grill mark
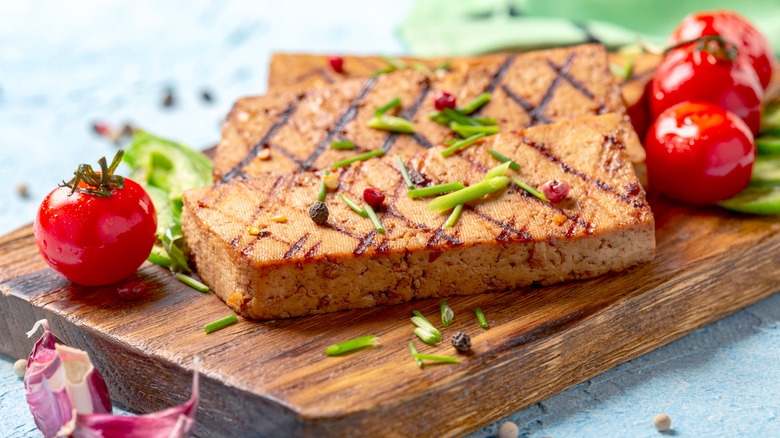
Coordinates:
[498,223]
[367,240]
[287,154]
[534,112]
[409,114]
[560,73]
[296,246]
[563,72]
[575,218]
[477,165]
[321,72]
[281,121]
[348,115]
[313,250]
[441,235]
[248,249]
[499,74]
[384,247]
[422,141]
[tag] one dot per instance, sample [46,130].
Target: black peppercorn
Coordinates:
[461,341]
[318,212]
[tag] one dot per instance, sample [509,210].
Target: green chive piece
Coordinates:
[419,66]
[448,359]
[768,144]
[444,66]
[220,323]
[453,219]
[323,188]
[486,122]
[459,118]
[530,189]
[435,190]
[191,282]
[360,157]
[499,170]
[446,313]
[352,344]
[623,72]
[504,159]
[467,131]
[453,141]
[396,102]
[420,321]
[414,351]
[385,70]
[391,123]
[446,202]
[481,317]
[374,219]
[404,172]
[475,104]
[396,63]
[342,145]
[461,145]
[356,208]
[439,117]
[159,259]
[426,335]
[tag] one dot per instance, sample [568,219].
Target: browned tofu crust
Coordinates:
[286,132]
[504,241]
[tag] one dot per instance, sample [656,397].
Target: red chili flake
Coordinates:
[132,291]
[555,190]
[373,197]
[337,62]
[444,100]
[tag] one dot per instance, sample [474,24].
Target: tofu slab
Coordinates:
[286,132]
[504,241]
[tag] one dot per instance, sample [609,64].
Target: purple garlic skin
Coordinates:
[68,397]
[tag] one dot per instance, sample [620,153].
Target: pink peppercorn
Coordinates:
[337,63]
[373,197]
[132,291]
[444,100]
[555,190]
[102,128]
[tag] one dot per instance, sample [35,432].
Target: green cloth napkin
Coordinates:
[464,27]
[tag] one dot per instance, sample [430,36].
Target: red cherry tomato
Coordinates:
[751,44]
[699,153]
[96,240]
[693,73]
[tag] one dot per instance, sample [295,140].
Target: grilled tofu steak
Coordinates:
[257,248]
[286,132]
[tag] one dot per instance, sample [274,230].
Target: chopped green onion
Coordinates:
[499,170]
[360,157]
[220,323]
[446,313]
[452,141]
[459,118]
[380,72]
[419,66]
[353,344]
[159,259]
[356,208]
[481,317]
[388,106]
[461,145]
[467,131]
[453,219]
[504,159]
[323,188]
[404,172]
[624,72]
[444,66]
[768,144]
[419,320]
[391,123]
[486,122]
[530,189]
[374,219]
[397,64]
[446,202]
[414,351]
[435,190]
[475,104]
[191,282]
[426,335]
[439,118]
[448,359]
[342,145]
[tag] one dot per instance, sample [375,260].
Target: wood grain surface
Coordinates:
[272,378]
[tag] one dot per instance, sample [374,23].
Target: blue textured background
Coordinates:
[64,65]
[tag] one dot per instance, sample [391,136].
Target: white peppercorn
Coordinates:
[662,422]
[508,430]
[19,367]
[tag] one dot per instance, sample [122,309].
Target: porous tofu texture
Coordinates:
[504,241]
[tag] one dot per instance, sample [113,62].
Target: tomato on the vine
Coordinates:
[707,71]
[98,228]
[751,45]
[699,153]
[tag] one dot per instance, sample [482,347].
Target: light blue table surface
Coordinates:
[64,65]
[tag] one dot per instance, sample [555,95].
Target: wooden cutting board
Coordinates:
[272,378]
